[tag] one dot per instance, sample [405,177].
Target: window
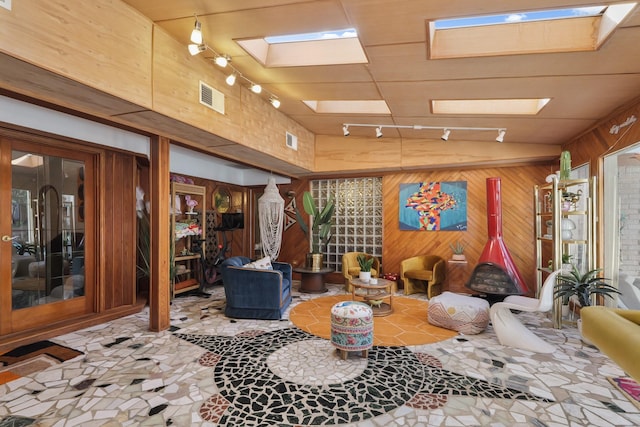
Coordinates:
[357,217]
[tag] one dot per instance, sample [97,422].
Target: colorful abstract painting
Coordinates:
[433,206]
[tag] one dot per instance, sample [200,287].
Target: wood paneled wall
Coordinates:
[517,217]
[117,235]
[517,184]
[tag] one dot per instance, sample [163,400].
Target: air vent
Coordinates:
[292,141]
[211,97]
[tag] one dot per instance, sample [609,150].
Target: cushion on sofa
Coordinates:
[260,264]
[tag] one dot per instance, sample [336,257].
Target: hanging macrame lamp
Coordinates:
[271,216]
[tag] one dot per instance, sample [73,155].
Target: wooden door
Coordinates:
[46,229]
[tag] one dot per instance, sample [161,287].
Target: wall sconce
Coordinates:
[445,135]
[379,132]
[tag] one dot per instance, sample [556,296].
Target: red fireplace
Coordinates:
[496,273]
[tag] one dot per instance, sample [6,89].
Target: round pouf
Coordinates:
[352,327]
[462,313]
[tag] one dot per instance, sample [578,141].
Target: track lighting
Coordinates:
[198,46]
[445,135]
[222,60]
[196,34]
[195,49]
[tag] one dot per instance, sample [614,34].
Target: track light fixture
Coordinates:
[256,88]
[195,49]
[445,131]
[222,60]
[198,46]
[196,34]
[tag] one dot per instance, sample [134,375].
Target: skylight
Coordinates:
[349,107]
[305,37]
[298,50]
[489,106]
[580,29]
[540,15]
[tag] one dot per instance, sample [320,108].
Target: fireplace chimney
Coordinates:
[496,273]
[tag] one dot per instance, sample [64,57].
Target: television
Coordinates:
[232,221]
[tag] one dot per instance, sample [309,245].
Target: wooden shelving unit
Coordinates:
[187,225]
[553,210]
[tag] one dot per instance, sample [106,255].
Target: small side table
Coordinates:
[312,281]
[378,292]
[457,276]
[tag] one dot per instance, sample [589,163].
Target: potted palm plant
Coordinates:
[320,230]
[365,262]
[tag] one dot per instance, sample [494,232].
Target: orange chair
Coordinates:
[423,272]
[351,268]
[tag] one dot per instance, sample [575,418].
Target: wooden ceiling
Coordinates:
[584,87]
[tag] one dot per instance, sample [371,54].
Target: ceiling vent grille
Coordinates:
[211,98]
[292,141]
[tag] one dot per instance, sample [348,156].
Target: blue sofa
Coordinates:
[254,293]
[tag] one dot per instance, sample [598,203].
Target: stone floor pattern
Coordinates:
[209,370]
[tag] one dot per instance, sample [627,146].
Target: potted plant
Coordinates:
[583,286]
[320,230]
[458,251]
[365,262]
[567,266]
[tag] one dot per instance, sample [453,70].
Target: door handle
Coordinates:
[6,238]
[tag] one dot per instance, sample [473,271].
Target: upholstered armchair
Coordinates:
[351,268]
[254,293]
[423,272]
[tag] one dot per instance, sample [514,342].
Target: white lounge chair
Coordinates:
[510,331]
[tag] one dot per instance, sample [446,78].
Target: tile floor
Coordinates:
[209,370]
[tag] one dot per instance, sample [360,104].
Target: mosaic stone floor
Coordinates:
[209,370]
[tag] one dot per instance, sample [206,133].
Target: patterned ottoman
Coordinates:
[465,314]
[352,327]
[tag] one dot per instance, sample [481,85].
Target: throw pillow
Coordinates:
[260,264]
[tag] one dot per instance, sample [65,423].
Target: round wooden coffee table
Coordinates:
[374,295]
[312,281]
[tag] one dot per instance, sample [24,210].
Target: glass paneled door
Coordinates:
[43,227]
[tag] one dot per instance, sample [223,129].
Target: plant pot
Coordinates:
[458,257]
[365,276]
[314,262]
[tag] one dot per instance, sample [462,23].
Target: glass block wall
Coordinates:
[357,218]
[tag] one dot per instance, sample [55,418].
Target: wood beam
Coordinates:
[159,289]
